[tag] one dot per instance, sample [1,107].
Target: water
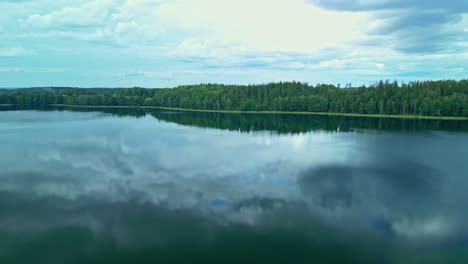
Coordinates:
[134,186]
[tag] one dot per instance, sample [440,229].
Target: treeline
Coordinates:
[429,98]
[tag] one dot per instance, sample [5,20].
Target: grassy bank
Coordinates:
[6,105]
[274,112]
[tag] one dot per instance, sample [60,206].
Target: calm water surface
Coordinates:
[129,186]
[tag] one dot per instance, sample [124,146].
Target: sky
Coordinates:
[166,43]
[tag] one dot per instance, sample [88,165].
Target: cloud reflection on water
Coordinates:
[146,183]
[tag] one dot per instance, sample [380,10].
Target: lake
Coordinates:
[153,186]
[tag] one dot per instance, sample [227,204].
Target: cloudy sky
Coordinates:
[165,43]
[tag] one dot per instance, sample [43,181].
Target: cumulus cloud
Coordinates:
[118,22]
[92,14]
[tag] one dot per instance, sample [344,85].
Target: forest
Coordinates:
[421,98]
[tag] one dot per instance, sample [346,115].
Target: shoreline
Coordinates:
[266,112]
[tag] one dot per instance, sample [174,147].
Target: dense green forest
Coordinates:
[428,98]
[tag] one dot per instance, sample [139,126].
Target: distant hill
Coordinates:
[57,89]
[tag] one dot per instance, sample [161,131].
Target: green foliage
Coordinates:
[430,98]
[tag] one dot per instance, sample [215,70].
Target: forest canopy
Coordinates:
[427,98]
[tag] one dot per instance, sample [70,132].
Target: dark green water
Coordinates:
[130,186]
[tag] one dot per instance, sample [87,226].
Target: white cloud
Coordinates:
[209,48]
[92,14]
[115,21]
[131,32]
[268,25]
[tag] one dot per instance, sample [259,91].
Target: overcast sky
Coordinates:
[165,43]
